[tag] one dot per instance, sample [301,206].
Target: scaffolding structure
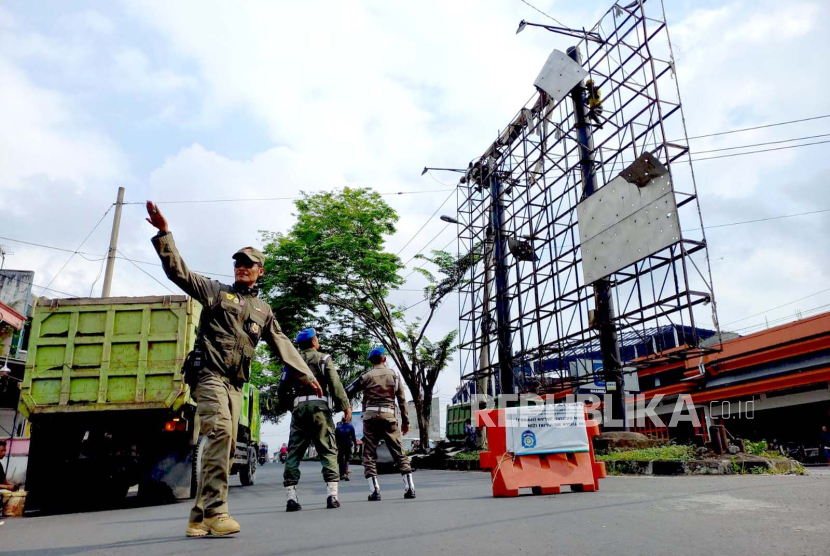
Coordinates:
[527,304]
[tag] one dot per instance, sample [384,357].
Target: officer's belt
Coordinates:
[300,399]
[381,409]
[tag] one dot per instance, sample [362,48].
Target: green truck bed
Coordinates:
[103,354]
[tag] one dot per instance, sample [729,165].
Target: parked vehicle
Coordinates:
[108,406]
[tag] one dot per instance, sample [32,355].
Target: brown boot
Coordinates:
[196,529]
[221,525]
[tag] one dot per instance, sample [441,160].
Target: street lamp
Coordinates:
[449,219]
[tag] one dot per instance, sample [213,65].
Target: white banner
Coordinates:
[546,429]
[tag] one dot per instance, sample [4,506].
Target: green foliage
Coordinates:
[265,376]
[330,271]
[755,448]
[660,453]
[466,455]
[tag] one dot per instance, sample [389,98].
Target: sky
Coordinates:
[195,100]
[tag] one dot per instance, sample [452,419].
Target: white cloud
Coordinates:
[89,20]
[134,73]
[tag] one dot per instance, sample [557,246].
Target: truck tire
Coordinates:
[196,469]
[247,473]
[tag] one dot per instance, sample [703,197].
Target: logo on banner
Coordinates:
[528,439]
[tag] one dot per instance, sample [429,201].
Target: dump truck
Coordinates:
[109,410]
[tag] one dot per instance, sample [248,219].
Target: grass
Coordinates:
[760,449]
[660,453]
[466,455]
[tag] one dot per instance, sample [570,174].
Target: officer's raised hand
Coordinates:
[156,218]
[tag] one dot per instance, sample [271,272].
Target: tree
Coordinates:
[331,269]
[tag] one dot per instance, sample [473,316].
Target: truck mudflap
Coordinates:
[170,476]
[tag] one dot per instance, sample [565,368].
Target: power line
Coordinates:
[147,273]
[758,127]
[543,13]
[421,229]
[764,144]
[79,246]
[759,151]
[441,231]
[261,199]
[798,316]
[41,287]
[762,219]
[82,253]
[779,307]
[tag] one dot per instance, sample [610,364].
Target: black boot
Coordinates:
[332,502]
[293,506]
[374,497]
[409,494]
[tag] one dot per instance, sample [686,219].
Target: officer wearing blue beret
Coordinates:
[311,420]
[381,386]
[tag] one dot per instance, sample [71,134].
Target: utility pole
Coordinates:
[505,347]
[484,355]
[3,254]
[116,223]
[604,303]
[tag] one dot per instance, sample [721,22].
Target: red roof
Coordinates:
[11,317]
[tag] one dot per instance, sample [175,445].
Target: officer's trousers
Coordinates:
[311,423]
[218,405]
[376,429]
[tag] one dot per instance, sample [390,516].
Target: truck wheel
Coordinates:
[247,473]
[196,468]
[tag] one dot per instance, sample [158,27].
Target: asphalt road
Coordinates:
[455,514]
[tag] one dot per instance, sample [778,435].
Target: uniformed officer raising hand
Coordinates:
[233,321]
[381,386]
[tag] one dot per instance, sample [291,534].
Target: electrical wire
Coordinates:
[421,229]
[441,231]
[759,151]
[75,252]
[82,253]
[25,282]
[543,13]
[100,271]
[261,199]
[761,219]
[147,273]
[757,127]
[763,144]
[778,307]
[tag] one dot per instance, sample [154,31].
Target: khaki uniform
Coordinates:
[380,387]
[233,321]
[311,421]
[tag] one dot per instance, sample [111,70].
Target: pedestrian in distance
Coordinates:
[381,386]
[232,322]
[346,440]
[311,420]
[824,437]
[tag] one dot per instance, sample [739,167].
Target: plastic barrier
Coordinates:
[543,473]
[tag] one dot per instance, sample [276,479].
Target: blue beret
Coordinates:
[377,351]
[306,334]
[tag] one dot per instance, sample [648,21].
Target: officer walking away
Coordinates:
[311,420]
[380,386]
[233,321]
[346,439]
